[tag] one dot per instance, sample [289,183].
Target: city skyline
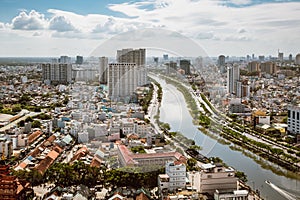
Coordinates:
[235,27]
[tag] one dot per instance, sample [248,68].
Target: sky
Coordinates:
[35,28]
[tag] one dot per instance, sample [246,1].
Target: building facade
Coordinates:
[137,56]
[186,66]
[233,75]
[57,73]
[103,69]
[294,119]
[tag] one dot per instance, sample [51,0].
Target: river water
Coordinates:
[175,112]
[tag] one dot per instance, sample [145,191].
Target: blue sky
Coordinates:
[232,27]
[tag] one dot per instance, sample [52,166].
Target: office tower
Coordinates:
[253,66]
[280,56]
[186,66]
[79,60]
[64,59]
[294,119]
[221,60]
[57,73]
[137,56]
[103,70]
[297,59]
[253,56]
[268,67]
[233,75]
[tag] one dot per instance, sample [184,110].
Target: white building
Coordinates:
[213,177]
[177,175]
[122,80]
[294,119]
[236,194]
[83,137]
[233,75]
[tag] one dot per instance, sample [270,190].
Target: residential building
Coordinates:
[297,59]
[233,75]
[294,119]
[280,56]
[57,73]
[186,66]
[12,188]
[103,69]
[79,60]
[122,80]
[177,175]
[221,60]
[64,59]
[236,194]
[137,56]
[253,66]
[268,67]
[213,177]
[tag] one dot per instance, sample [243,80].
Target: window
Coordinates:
[209,176]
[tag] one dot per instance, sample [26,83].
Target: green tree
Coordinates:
[36,124]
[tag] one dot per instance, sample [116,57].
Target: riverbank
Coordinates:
[274,155]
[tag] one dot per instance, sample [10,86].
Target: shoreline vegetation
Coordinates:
[261,153]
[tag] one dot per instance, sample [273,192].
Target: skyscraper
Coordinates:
[79,60]
[221,60]
[122,80]
[103,69]
[137,56]
[186,66]
[280,56]
[64,59]
[233,75]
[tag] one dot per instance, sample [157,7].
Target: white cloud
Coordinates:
[31,21]
[213,23]
[240,2]
[61,24]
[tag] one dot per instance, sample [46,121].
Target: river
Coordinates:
[175,112]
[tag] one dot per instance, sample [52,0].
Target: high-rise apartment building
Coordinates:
[294,119]
[297,59]
[253,66]
[64,59]
[186,66]
[290,57]
[122,80]
[221,60]
[103,69]
[57,73]
[268,67]
[137,56]
[233,75]
[79,60]
[280,56]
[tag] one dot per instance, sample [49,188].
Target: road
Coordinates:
[218,118]
[14,123]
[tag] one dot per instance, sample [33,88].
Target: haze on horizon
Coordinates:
[232,27]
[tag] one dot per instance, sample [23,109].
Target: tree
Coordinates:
[16,108]
[21,123]
[241,176]
[36,124]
